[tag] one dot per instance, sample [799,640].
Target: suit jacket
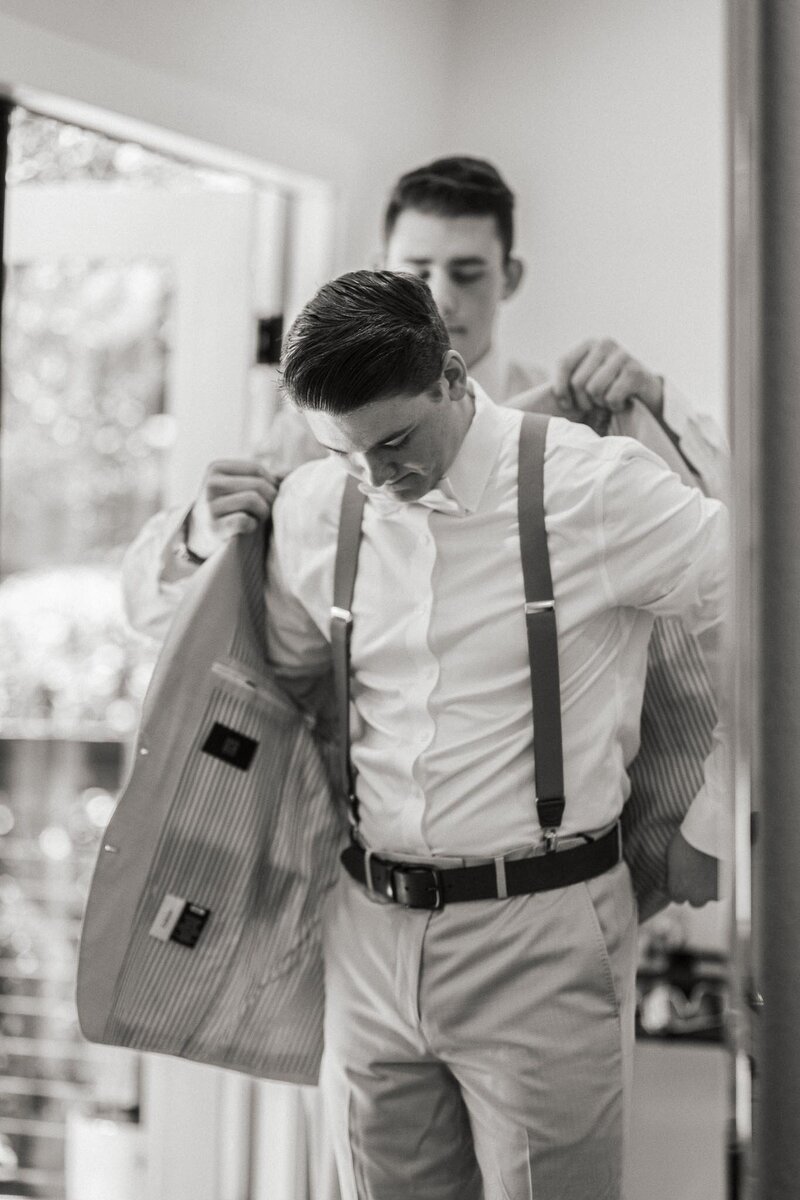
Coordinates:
[201,936]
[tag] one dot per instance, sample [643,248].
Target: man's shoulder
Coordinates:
[576,440]
[579,463]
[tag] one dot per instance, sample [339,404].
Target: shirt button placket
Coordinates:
[425,669]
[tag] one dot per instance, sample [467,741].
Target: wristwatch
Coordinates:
[181,550]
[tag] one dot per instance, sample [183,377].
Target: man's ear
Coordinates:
[454,372]
[513,272]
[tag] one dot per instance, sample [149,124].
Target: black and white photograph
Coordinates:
[399,553]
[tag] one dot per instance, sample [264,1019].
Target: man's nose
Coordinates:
[377,469]
[444,294]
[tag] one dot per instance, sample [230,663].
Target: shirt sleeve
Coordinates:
[707,824]
[664,545]
[153,579]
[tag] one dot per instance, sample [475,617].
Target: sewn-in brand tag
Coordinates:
[232,747]
[179,920]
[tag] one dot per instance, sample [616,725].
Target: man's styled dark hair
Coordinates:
[365,336]
[455,187]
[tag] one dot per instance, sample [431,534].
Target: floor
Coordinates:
[680,1104]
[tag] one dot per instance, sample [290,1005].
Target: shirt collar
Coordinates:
[470,470]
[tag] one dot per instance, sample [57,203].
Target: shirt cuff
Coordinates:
[174,564]
[704,826]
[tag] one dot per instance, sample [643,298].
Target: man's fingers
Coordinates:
[586,369]
[235,485]
[599,384]
[236,523]
[623,390]
[255,504]
[601,374]
[237,466]
[564,370]
[634,382]
[693,877]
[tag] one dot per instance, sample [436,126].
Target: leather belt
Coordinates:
[416,886]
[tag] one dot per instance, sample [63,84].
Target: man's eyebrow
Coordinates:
[390,437]
[464,260]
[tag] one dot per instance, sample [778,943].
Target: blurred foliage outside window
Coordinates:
[85,442]
[42,150]
[85,439]
[85,351]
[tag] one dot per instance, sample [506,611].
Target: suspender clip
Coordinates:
[550,813]
[341,614]
[537,606]
[550,840]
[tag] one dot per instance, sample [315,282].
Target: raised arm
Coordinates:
[601,383]
[234,495]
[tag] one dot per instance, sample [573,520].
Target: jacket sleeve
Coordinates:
[701,442]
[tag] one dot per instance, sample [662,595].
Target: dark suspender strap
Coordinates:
[344,579]
[540,620]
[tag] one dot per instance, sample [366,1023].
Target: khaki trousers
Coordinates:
[482,1052]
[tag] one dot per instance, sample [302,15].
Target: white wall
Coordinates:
[607,116]
[353,91]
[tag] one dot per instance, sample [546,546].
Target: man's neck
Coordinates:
[487,370]
[482,359]
[461,425]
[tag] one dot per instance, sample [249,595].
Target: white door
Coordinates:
[222,252]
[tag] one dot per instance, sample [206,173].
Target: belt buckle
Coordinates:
[405,889]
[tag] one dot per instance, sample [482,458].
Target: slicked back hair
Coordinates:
[366,336]
[455,187]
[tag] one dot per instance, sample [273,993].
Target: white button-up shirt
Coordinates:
[442,722]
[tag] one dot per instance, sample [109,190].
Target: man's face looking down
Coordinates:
[402,444]
[463,262]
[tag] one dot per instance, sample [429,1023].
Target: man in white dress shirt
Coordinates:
[482,1050]
[452,223]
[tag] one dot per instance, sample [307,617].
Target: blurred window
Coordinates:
[87,434]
